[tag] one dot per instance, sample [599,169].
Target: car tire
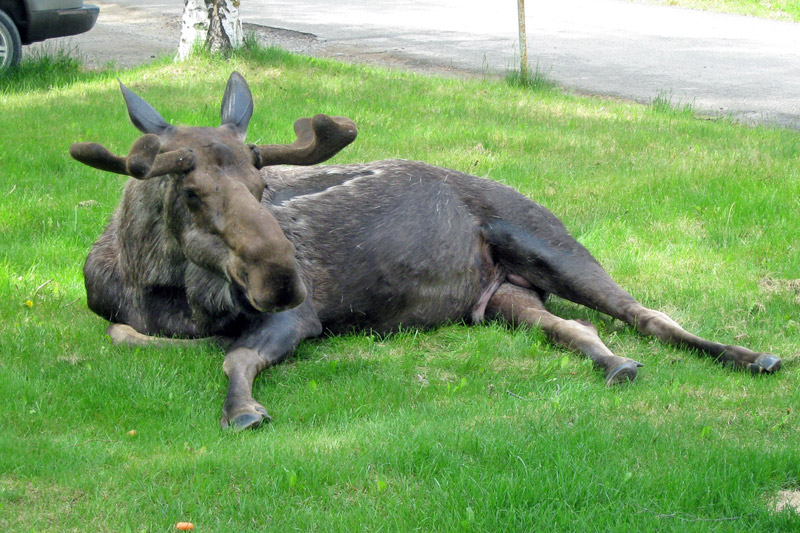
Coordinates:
[10,43]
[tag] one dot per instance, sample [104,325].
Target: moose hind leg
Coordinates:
[658,324]
[523,306]
[565,268]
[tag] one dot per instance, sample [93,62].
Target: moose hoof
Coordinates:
[765,364]
[622,373]
[250,419]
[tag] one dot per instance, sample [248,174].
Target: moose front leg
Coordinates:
[268,342]
[125,335]
[523,306]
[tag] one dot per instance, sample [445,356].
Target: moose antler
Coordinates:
[318,139]
[143,161]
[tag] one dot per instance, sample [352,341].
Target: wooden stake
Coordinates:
[523,41]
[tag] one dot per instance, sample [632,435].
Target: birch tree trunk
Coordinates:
[213,23]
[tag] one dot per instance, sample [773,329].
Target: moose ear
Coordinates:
[144,117]
[237,104]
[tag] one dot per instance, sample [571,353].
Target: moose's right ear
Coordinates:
[144,117]
[237,104]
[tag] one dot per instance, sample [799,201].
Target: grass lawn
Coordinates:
[462,428]
[775,9]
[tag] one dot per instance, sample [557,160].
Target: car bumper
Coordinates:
[60,22]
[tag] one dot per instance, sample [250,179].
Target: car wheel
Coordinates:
[10,44]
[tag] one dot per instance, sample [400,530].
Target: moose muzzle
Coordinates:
[267,287]
[261,260]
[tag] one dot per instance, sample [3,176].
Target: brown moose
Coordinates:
[203,244]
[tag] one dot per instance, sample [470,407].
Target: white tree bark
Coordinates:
[213,23]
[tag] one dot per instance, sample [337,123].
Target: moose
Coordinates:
[217,238]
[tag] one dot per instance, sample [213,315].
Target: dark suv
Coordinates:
[28,21]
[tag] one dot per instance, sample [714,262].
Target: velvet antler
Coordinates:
[318,139]
[143,161]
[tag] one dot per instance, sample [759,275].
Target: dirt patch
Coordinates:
[787,499]
[776,285]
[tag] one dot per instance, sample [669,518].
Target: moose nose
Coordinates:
[268,288]
[282,289]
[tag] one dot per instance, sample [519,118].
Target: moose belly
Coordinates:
[388,252]
[396,295]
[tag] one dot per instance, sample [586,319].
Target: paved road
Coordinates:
[720,64]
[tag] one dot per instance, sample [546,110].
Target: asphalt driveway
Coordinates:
[720,64]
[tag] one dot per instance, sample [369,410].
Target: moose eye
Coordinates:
[192,199]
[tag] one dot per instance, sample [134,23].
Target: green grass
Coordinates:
[774,9]
[43,69]
[537,80]
[462,428]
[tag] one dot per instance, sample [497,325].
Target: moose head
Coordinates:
[211,191]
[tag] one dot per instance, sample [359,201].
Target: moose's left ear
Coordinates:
[237,104]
